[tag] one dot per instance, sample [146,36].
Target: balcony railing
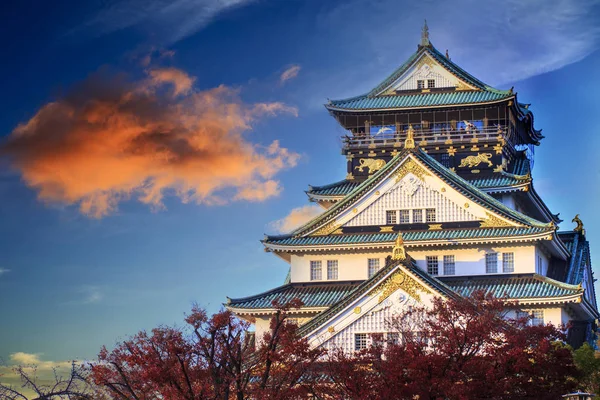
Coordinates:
[431,136]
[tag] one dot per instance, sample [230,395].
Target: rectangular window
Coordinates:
[432,265]
[430,83]
[430,215]
[445,160]
[417,216]
[391,217]
[404,217]
[538,317]
[393,338]
[491,263]
[449,265]
[420,84]
[332,269]
[360,341]
[508,262]
[373,266]
[315,271]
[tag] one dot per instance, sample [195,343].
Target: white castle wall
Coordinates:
[468,261]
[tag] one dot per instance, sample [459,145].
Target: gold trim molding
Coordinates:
[400,280]
[492,221]
[326,229]
[410,167]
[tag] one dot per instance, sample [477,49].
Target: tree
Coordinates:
[215,358]
[461,348]
[73,386]
[588,362]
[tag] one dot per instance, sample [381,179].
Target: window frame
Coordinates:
[330,269]
[429,83]
[420,84]
[508,262]
[488,259]
[401,216]
[418,211]
[316,268]
[391,213]
[447,264]
[376,268]
[430,263]
[360,341]
[428,213]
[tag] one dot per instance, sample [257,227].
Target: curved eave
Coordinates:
[331,107]
[535,134]
[523,187]
[271,311]
[274,247]
[324,197]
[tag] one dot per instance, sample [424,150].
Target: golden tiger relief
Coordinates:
[473,161]
[370,163]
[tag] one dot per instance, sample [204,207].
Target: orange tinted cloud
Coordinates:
[110,140]
[296,218]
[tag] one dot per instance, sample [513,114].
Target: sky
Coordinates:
[147,145]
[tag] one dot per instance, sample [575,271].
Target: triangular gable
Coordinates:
[426,68]
[439,64]
[415,192]
[370,306]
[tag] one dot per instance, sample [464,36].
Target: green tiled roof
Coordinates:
[416,100]
[313,294]
[340,188]
[374,101]
[452,179]
[369,284]
[513,286]
[408,236]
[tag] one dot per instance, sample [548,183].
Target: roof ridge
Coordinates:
[558,283]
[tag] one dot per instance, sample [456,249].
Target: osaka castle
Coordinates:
[439,200]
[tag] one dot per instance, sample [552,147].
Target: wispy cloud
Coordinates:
[289,73]
[498,44]
[90,294]
[109,140]
[4,271]
[296,218]
[167,20]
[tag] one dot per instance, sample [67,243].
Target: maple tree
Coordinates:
[216,358]
[460,348]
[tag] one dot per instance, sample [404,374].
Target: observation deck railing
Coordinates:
[431,136]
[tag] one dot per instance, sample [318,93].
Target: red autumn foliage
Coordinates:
[459,349]
[215,358]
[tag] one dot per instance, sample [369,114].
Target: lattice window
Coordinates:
[449,268]
[332,269]
[391,217]
[430,83]
[404,216]
[508,262]
[360,341]
[393,338]
[315,271]
[537,317]
[420,84]
[417,216]
[373,264]
[445,160]
[432,265]
[491,263]
[430,215]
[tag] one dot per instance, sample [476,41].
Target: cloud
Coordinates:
[91,294]
[166,20]
[110,139]
[42,371]
[4,271]
[289,73]
[499,45]
[296,217]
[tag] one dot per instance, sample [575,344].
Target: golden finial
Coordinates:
[579,227]
[398,253]
[425,35]
[409,143]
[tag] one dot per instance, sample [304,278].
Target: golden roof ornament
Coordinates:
[579,227]
[398,253]
[409,143]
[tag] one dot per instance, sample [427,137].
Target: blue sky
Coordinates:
[70,283]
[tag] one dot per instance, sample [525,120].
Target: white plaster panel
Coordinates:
[408,80]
